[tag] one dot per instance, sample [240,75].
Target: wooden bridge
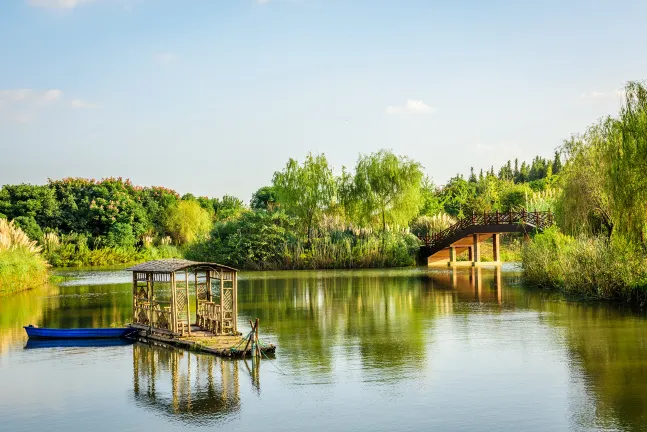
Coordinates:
[468,233]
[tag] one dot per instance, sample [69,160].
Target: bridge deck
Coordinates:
[468,233]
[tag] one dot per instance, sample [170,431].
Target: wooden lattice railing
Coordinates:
[535,220]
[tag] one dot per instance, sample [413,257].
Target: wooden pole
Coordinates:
[249,338]
[134,297]
[235,304]
[477,249]
[258,347]
[149,279]
[222,301]
[188,303]
[195,273]
[496,247]
[173,304]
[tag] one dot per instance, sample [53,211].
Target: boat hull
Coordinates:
[80,333]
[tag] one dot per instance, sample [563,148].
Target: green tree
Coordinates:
[626,151]
[386,188]
[264,199]
[584,205]
[306,190]
[187,221]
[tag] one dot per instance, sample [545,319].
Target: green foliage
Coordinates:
[264,199]
[626,154]
[36,202]
[263,241]
[187,221]
[21,264]
[29,226]
[386,189]
[121,235]
[305,191]
[596,268]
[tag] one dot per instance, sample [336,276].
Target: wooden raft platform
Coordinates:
[232,346]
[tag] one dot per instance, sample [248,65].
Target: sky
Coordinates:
[213,96]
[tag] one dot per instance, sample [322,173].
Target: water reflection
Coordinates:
[435,338]
[193,388]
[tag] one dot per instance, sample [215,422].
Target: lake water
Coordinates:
[376,350]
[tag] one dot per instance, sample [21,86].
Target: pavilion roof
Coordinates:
[170,265]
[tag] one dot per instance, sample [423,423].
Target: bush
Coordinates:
[589,267]
[266,241]
[21,265]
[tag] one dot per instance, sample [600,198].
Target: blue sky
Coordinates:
[212,97]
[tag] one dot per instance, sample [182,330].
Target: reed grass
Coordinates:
[21,264]
[586,267]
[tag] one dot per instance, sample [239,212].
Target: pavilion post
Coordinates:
[188,302]
[149,277]
[197,295]
[222,302]
[134,297]
[235,305]
[173,304]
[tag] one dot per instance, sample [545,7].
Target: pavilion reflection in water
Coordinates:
[190,387]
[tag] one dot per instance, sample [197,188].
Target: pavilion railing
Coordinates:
[157,315]
[208,316]
[537,220]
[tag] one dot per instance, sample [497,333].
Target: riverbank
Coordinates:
[21,265]
[590,268]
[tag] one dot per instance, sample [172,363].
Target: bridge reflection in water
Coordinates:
[193,388]
[471,283]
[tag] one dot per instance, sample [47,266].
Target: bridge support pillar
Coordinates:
[476,253]
[452,255]
[496,248]
[470,253]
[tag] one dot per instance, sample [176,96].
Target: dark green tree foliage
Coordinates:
[36,202]
[29,226]
[456,194]
[557,163]
[264,199]
[256,240]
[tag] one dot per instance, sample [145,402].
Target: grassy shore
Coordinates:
[594,268]
[21,265]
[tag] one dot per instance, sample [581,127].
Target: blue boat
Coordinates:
[78,333]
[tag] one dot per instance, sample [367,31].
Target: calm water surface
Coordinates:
[378,350]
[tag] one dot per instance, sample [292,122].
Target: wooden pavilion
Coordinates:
[161,301]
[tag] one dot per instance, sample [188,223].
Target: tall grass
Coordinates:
[585,267]
[21,264]
[72,250]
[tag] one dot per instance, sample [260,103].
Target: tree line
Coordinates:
[307,217]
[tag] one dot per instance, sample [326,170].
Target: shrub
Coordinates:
[21,265]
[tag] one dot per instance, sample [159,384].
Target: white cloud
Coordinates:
[80,103]
[22,105]
[592,95]
[411,106]
[28,97]
[165,57]
[57,4]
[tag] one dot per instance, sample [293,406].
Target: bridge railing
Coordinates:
[537,219]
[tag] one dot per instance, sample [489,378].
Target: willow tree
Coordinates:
[187,221]
[305,191]
[384,189]
[627,153]
[584,204]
